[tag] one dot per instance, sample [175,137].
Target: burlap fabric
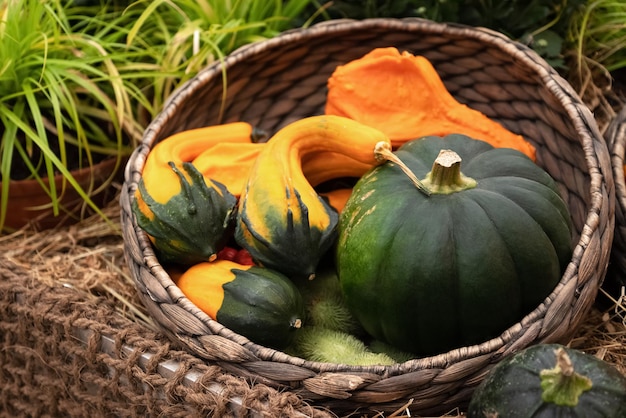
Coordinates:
[66,354]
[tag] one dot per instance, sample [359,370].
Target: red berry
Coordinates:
[244,258]
[227,253]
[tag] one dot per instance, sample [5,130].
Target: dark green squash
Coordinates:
[458,262]
[258,303]
[191,225]
[550,380]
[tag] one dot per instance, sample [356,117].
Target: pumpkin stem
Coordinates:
[383,152]
[562,385]
[445,176]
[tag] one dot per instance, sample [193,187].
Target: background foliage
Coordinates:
[542,24]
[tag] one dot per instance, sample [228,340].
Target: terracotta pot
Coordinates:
[29,203]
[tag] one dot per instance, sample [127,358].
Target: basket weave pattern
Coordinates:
[616,139]
[273,83]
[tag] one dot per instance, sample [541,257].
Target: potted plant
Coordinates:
[65,109]
[81,79]
[185,36]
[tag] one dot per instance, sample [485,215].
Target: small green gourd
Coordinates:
[550,381]
[190,226]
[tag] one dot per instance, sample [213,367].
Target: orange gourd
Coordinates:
[337,198]
[403,96]
[228,163]
[185,146]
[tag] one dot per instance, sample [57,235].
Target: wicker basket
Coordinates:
[275,82]
[615,137]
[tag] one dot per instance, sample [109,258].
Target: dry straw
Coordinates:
[275,82]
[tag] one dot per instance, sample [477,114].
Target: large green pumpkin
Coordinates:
[458,264]
[550,380]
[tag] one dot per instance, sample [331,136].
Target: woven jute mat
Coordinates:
[76,341]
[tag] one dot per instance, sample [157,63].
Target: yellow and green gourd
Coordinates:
[258,303]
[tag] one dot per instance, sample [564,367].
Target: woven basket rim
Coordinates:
[615,136]
[616,139]
[572,104]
